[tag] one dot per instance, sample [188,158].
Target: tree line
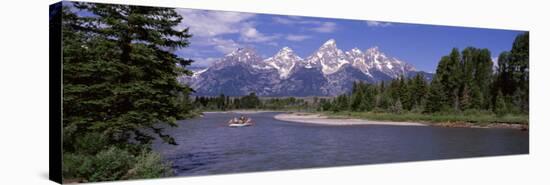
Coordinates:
[464,80]
[250,101]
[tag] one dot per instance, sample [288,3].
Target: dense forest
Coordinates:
[120,89]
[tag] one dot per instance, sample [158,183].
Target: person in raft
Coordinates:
[242,120]
[234,120]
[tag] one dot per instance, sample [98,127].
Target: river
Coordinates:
[207,146]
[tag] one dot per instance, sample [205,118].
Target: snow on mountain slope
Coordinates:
[328,57]
[328,71]
[387,65]
[284,61]
[357,58]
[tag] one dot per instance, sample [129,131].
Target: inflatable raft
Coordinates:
[240,124]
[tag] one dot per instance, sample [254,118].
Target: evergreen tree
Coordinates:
[520,64]
[119,74]
[369,98]
[357,97]
[397,107]
[449,74]
[404,93]
[512,77]
[483,75]
[418,90]
[250,101]
[500,105]
[435,100]
[221,102]
[468,71]
[341,103]
[465,98]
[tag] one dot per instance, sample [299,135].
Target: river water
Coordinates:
[207,146]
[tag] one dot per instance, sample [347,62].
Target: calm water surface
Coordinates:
[207,146]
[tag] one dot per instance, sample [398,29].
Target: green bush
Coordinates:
[90,143]
[76,166]
[113,164]
[149,165]
[107,165]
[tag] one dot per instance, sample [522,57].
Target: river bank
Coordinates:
[325,120]
[243,111]
[387,119]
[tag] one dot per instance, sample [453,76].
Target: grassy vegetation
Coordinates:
[474,117]
[113,164]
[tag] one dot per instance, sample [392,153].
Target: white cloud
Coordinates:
[292,37]
[325,27]
[378,24]
[293,20]
[223,45]
[204,62]
[314,25]
[209,46]
[251,34]
[205,23]
[210,29]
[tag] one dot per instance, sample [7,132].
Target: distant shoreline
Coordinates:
[242,111]
[321,119]
[324,120]
[346,120]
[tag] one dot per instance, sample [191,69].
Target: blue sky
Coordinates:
[218,32]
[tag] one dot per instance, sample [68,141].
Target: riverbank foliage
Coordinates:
[474,117]
[120,89]
[253,102]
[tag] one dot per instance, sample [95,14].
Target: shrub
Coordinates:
[76,166]
[149,165]
[90,143]
[113,164]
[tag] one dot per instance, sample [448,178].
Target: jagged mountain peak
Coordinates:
[388,65]
[356,51]
[329,43]
[246,56]
[374,49]
[328,57]
[284,61]
[286,49]
[242,51]
[286,52]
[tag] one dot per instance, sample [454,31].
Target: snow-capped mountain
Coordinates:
[284,61]
[357,59]
[246,56]
[328,57]
[329,71]
[387,65]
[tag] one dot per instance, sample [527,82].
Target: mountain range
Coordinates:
[329,71]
